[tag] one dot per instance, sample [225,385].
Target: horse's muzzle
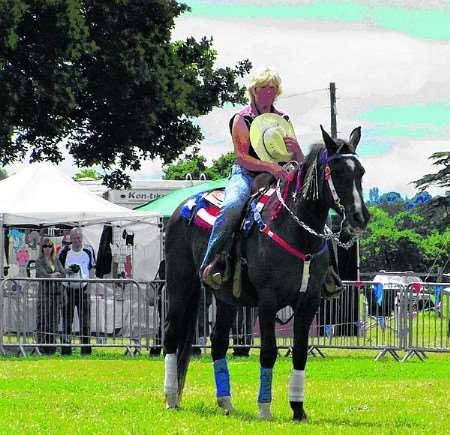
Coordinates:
[356,222]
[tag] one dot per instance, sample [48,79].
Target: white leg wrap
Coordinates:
[264,411]
[296,386]
[170,374]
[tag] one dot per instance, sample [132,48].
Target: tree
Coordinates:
[406,238]
[374,195]
[440,178]
[105,78]
[389,246]
[87,173]
[191,163]
[221,167]
[194,164]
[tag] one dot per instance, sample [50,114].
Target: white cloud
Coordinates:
[407,162]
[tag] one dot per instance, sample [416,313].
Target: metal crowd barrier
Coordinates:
[388,318]
[362,318]
[43,315]
[427,319]
[39,314]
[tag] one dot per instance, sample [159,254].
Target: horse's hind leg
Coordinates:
[182,283]
[220,337]
[303,318]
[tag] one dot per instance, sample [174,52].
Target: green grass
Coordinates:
[108,393]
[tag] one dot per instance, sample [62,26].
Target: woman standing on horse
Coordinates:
[263,90]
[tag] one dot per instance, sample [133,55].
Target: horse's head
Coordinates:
[344,181]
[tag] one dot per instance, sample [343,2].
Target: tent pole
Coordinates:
[2,246]
[161,239]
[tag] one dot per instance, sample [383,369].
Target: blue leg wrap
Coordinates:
[265,386]
[222,377]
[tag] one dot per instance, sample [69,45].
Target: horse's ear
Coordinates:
[329,142]
[355,136]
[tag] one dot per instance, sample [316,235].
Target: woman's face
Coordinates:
[265,94]
[47,249]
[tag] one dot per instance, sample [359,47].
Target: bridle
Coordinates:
[328,234]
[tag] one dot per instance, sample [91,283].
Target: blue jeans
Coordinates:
[237,192]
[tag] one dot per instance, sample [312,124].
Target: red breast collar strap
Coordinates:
[282,243]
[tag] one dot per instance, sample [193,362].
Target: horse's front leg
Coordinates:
[268,356]
[303,318]
[220,340]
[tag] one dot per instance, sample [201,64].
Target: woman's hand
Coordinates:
[278,172]
[293,147]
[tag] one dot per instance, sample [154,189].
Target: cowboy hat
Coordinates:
[267,133]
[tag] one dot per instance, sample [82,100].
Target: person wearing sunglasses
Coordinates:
[48,266]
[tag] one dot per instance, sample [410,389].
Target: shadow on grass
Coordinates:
[339,421]
[206,410]
[95,356]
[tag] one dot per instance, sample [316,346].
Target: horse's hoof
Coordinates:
[299,413]
[302,418]
[225,404]
[171,400]
[264,411]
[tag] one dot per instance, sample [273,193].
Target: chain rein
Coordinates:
[329,235]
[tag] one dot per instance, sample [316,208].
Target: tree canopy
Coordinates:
[194,164]
[402,238]
[104,78]
[440,178]
[87,173]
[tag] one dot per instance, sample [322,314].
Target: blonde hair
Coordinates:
[262,77]
[48,241]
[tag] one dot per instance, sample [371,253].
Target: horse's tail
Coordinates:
[187,338]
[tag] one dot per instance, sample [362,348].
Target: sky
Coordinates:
[390,61]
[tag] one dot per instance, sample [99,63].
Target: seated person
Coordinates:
[264,88]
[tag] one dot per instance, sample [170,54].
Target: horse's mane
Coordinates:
[313,154]
[309,171]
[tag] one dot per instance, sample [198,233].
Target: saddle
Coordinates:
[215,197]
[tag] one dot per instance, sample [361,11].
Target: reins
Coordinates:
[328,234]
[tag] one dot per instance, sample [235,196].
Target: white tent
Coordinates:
[42,195]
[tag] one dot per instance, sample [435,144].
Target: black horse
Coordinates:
[287,260]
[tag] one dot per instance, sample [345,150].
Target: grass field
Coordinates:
[108,393]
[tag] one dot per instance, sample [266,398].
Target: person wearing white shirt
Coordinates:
[78,261]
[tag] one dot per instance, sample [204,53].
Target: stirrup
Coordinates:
[212,279]
[217,273]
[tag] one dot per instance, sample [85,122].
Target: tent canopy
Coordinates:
[42,195]
[167,204]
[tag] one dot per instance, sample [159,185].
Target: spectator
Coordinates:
[78,261]
[48,266]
